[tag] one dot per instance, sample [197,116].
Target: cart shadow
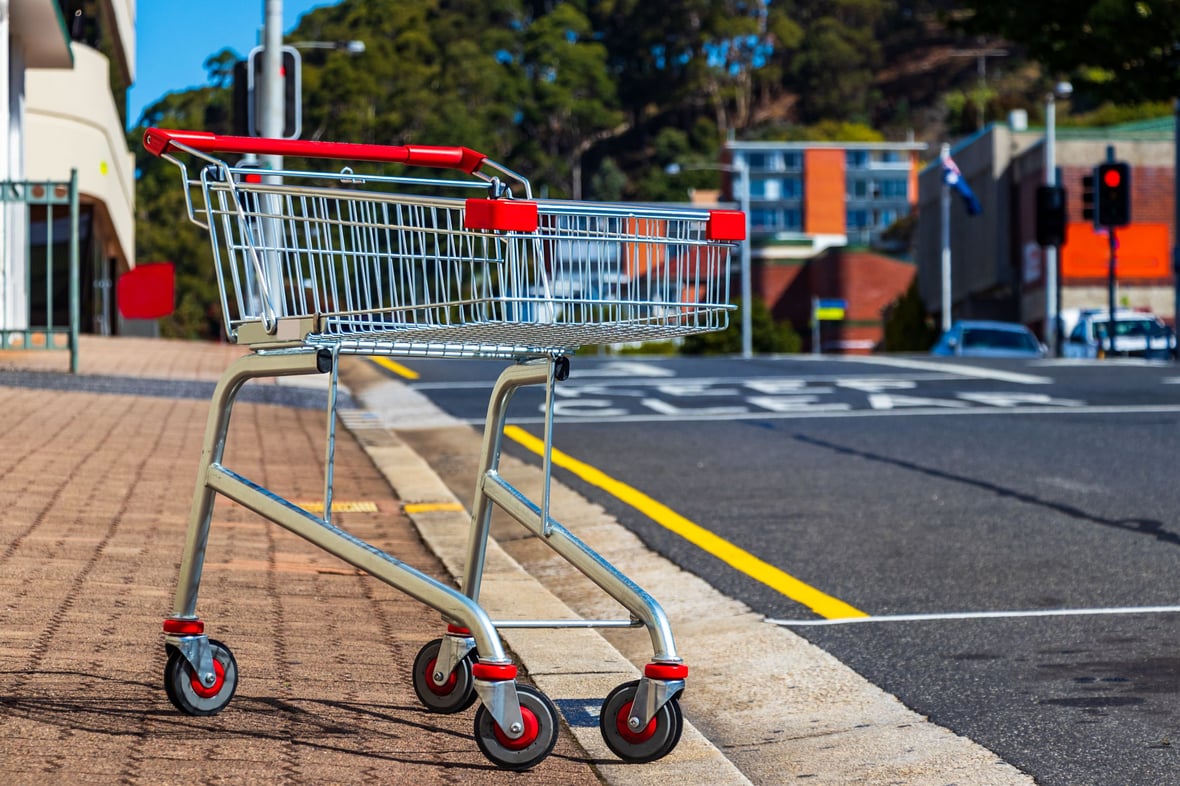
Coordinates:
[1151,527]
[79,702]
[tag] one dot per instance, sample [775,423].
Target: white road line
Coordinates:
[686,416]
[980,372]
[574,382]
[974,615]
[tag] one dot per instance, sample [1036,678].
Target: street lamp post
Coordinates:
[742,189]
[742,170]
[1052,306]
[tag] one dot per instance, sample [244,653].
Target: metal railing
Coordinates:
[34,279]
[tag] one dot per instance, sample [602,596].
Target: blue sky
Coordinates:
[174,37]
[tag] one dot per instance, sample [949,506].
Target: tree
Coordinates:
[1125,51]
[836,60]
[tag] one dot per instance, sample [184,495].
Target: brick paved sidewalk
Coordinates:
[95,490]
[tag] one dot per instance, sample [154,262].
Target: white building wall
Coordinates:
[72,122]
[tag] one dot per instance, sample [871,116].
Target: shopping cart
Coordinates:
[315,264]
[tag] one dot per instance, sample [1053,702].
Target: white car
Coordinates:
[1136,333]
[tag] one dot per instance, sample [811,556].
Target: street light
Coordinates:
[742,187]
[352,47]
[1051,329]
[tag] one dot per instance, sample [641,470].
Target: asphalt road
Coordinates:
[908,487]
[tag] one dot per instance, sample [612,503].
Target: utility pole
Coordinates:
[945,205]
[272,77]
[271,127]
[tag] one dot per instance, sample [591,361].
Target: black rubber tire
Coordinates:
[179,677]
[461,694]
[497,749]
[669,724]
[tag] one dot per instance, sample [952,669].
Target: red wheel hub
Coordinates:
[208,692]
[531,729]
[443,689]
[633,737]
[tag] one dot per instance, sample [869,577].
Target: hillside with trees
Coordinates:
[595,99]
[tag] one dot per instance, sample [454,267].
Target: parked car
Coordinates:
[1136,333]
[988,339]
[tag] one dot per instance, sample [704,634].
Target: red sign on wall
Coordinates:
[147,292]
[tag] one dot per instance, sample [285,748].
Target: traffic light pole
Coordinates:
[1110,281]
[271,127]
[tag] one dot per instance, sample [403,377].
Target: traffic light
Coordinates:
[250,99]
[1050,215]
[1089,199]
[1114,193]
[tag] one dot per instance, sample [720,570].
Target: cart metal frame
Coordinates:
[345,265]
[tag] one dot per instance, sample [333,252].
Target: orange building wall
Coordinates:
[823,191]
[1142,252]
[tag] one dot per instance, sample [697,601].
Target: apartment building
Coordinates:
[63,104]
[819,219]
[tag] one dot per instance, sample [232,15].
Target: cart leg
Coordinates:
[245,368]
[513,377]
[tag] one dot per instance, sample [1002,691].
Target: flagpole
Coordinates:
[946,244]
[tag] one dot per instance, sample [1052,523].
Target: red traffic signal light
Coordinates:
[1114,194]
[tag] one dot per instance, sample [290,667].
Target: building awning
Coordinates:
[43,33]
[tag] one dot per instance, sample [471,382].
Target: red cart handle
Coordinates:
[159,141]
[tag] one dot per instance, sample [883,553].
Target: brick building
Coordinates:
[997,268]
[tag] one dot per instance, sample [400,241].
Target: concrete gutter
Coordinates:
[773,706]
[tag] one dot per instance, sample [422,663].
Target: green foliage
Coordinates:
[599,97]
[766,335]
[1112,114]
[908,328]
[651,348]
[1119,50]
[823,131]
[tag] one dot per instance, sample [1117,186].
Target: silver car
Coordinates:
[988,339]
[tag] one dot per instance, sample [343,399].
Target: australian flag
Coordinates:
[954,178]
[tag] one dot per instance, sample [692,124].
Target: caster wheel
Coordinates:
[540,732]
[455,694]
[187,693]
[654,742]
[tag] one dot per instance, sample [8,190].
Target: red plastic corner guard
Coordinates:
[665,671]
[493,672]
[184,626]
[726,225]
[508,215]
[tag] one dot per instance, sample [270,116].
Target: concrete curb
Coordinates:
[575,667]
[774,706]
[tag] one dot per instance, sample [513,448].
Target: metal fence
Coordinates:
[40,299]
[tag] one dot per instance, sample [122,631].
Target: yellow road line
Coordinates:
[338,506]
[395,367]
[429,507]
[737,558]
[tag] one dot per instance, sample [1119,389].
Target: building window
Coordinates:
[858,159]
[895,188]
[762,219]
[792,188]
[793,220]
[765,188]
[857,218]
[792,160]
[755,160]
